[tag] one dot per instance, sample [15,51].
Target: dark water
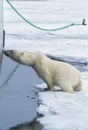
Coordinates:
[34,125]
[18,96]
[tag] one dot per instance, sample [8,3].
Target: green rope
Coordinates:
[55,29]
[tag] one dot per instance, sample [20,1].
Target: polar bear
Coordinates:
[54,73]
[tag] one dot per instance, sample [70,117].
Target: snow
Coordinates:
[64,110]
[61,111]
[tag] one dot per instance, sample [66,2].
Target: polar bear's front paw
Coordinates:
[41,87]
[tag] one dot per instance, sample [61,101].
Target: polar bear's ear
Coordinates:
[11,51]
[21,53]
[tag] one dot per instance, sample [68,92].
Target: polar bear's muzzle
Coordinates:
[8,53]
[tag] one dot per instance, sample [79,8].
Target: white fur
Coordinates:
[54,73]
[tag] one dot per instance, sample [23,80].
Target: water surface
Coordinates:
[18,96]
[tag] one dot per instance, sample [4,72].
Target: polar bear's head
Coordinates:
[23,57]
[13,54]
